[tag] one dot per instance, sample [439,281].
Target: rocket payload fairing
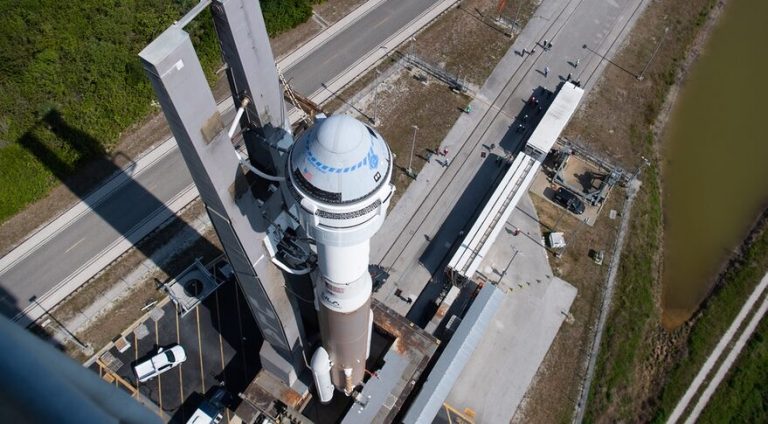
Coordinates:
[339,175]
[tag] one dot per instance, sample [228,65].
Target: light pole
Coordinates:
[658,46]
[504,273]
[517,14]
[74,338]
[376,99]
[413,146]
[645,162]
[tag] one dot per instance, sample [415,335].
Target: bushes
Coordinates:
[79,60]
[282,15]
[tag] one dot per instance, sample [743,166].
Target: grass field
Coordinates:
[710,324]
[633,310]
[741,397]
[71,81]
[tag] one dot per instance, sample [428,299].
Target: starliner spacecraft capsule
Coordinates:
[339,174]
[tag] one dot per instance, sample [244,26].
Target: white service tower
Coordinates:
[340,172]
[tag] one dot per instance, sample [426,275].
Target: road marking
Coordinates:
[181,376]
[159,385]
[74,245]
[200,349]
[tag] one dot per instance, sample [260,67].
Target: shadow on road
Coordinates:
[89,152]
[451,233]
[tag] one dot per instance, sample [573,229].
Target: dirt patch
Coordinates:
[467,43]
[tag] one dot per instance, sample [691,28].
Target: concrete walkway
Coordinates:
[717,353]
[427,219]
[535,305]
[727,363]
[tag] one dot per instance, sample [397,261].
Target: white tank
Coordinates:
[321,372]
[370,334]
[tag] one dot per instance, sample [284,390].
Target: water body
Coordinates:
[716,157]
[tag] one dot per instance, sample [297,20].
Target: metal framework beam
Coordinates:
[172,65]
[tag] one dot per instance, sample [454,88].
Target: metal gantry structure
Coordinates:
[289,215]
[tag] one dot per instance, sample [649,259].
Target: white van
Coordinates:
[161,362]
[210,409]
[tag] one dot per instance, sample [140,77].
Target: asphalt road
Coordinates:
[71,248]
[358,39]
[68,250]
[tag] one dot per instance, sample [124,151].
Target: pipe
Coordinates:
[243,161]
[246,163]
[238,115]
[290,270]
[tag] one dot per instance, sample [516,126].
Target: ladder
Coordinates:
[292,96]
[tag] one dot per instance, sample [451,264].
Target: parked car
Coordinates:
[569,201]
[211,408]
[159,363]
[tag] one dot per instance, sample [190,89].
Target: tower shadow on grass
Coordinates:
[123,214]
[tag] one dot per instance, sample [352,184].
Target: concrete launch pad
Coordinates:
[535,306]
[400,352]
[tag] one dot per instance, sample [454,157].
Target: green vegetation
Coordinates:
[617,392]
[742,397]
[634,307]
[282,15]
[72,81]
[717,314]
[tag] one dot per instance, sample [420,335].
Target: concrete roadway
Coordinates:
[74,246]
[68,250]
[424,226]
[366,34]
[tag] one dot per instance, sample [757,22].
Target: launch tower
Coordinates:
[332,185]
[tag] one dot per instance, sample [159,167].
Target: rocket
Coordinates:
[338,178]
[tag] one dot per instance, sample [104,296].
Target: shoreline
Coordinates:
[672,319]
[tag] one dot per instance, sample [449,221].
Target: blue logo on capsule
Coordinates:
[373,159]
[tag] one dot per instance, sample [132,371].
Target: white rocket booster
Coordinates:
[339,176]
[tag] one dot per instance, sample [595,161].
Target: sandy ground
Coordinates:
[465,42]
